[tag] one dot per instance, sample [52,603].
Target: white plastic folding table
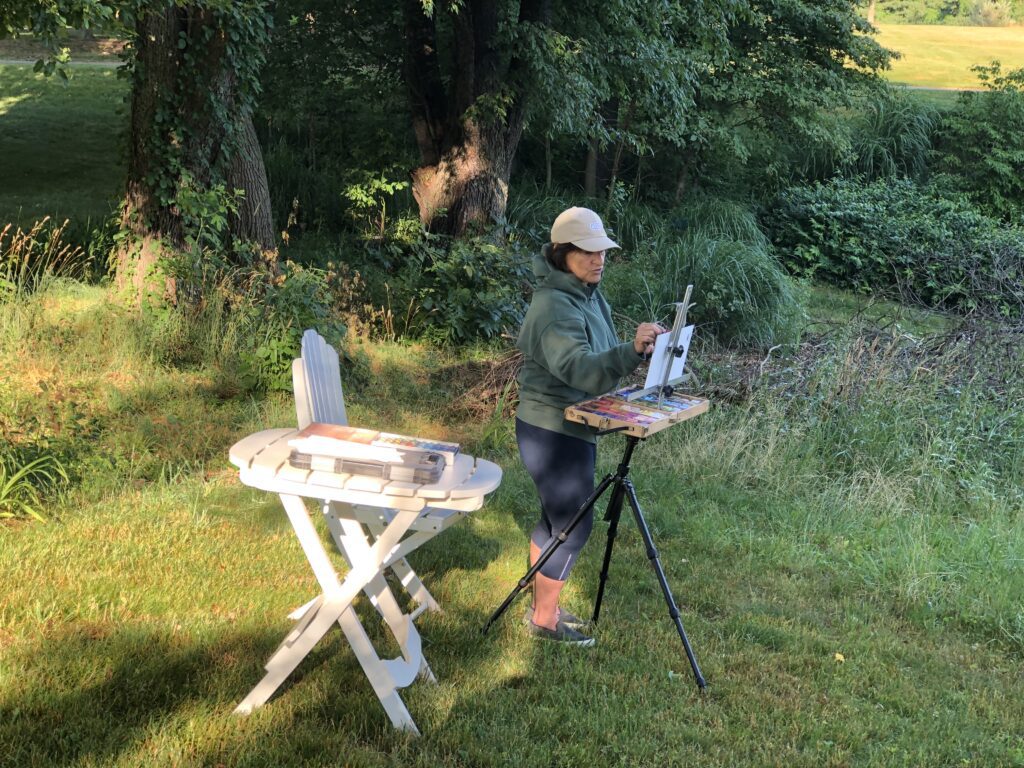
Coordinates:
[404,516]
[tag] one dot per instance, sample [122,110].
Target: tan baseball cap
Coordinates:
[583,228]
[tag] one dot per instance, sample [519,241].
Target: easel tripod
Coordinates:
[622,489]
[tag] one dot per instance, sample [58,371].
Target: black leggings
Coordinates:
[562,468]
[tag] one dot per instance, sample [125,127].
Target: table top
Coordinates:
[262,460]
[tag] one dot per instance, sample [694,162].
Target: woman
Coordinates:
[571,352]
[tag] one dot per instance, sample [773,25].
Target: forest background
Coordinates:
[844,526]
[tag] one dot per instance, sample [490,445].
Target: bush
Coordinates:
[902,240]
[464,289]
[981,143]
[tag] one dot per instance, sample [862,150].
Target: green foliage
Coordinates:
[275,311]
[23,485]
[981,143]
[742,295]
[899,239]
[463,289]
[344,121]
[369,196]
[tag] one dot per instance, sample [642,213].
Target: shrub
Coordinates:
[902,240]
[981,143]
[464,289]
[277,310]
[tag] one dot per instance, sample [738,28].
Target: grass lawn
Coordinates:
[934,56]
[847,609]
[61,146]
[845,540]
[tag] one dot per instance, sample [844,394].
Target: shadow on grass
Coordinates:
[146,696]
[90,697]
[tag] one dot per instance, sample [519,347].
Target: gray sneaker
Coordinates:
[563,616]
[561,634]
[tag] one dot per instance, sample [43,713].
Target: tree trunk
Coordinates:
[466,148]
[547,161]
[871,11]
[590,169]
[175,137]
[468,188]
[597,170]
[617,162]
[253,221]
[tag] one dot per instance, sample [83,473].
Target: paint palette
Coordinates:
[641,417]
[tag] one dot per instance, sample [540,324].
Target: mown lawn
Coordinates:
[61,146]
[848,608]
[933,56]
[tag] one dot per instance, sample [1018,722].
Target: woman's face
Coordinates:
[588,266]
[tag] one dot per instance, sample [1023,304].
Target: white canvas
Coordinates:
[662,357]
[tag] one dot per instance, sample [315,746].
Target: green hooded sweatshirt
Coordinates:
[570,348]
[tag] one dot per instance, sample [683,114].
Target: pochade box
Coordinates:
[641,416]
[413,466]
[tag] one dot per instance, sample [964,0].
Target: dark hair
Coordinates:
[557,254]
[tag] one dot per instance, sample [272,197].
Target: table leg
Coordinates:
[350,537]
[385,676]
[396,562]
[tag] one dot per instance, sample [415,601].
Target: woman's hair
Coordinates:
[558,253]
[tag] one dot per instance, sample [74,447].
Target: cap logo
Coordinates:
[595,225]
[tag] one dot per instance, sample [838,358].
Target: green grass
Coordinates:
[934,56]
[61,147]
[845,541]
[853,599]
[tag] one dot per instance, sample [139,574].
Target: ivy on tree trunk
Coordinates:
[192,144]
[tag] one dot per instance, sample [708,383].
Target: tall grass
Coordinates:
[892,135]
[29,257]
[899,462]
[888,132]
[742,295]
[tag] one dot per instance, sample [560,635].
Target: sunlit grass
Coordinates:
[845,609]
[60,147]
[939,56]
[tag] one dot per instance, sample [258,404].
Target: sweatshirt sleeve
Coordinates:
[567,355]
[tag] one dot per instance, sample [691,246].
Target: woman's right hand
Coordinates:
[646,333]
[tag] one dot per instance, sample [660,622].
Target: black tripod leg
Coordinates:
[612,516]
[549,549]
[652,555]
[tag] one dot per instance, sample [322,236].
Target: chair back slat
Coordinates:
[316,378]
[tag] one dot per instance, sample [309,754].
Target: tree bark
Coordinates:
[209,152]
[253,222]
[590,169]
[466,145]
